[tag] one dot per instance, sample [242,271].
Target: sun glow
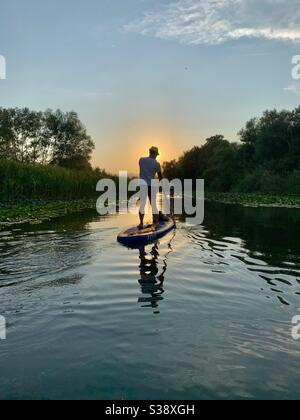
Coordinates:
[122,153]
[166,143]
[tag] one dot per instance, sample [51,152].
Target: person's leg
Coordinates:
[153,202]
[143,203]
[142,216]
[163,217]
[155,219]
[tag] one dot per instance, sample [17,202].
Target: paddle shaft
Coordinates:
[171,206]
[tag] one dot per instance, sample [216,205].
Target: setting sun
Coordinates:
[166,142]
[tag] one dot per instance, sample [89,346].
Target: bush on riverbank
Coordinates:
[29,182]
[266,182]
[255,200]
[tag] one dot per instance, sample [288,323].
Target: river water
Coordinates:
[205,313]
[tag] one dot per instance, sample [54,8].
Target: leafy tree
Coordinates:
[170,169]
[70,141]
[266,160]
[216,162]
[7,137]
[20,131]
[50,137]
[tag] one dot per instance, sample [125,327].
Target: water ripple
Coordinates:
[89,318]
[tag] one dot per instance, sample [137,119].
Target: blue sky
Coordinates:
[143,72]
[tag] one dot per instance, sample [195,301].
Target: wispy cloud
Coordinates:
[219,21]
[293,89]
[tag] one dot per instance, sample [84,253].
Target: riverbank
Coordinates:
[37,211]
[255,200]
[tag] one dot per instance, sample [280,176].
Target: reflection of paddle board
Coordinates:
[135,237]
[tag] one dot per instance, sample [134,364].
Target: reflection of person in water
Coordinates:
[151,280]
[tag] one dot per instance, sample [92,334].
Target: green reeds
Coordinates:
[37,182]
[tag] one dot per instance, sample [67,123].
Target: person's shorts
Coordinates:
[153,204]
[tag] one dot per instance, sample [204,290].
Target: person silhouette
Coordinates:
[151,281]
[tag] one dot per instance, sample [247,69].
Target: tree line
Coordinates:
[267,158]
[50,137]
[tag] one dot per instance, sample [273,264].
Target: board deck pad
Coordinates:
[135,237]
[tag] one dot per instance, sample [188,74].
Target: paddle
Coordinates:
[171,207]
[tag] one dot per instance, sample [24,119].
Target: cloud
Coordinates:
[218,21]
[293,89]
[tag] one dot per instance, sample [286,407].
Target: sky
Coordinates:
[168,73]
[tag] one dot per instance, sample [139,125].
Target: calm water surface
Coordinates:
[205,313]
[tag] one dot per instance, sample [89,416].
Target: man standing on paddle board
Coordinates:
[149,168]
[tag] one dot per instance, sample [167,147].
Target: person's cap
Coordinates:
[154,150]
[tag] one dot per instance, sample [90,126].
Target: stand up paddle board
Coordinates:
[135,237]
